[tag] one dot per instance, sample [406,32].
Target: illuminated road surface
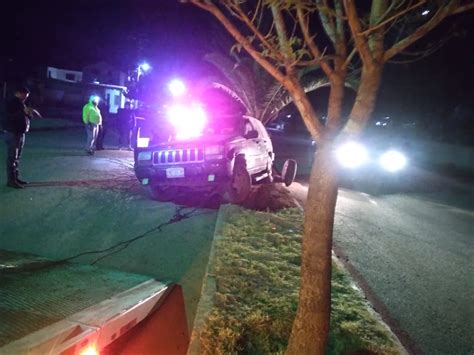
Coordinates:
[77,203]
[416,256]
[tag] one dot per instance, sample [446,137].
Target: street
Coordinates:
[410,251]
[412,254]
[76,204]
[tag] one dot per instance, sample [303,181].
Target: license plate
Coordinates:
[172,173]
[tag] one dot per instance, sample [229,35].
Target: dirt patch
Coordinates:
[270,197]
[265,197]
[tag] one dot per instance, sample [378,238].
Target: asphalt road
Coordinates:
[76,203]
[413,255]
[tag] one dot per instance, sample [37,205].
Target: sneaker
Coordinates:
[15,184]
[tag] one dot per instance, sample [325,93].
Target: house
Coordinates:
[103,73]
[64,74]
[72,88]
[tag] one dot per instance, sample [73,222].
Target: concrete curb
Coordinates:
[370,307]
[206,301]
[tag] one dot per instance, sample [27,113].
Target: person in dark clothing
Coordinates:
[102,128]
[16,124]
[100,137]
[126,125]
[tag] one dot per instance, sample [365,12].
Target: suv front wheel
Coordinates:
[241,183]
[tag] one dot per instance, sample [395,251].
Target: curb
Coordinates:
[206,300]
[370,307]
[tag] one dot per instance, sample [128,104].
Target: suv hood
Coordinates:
[203,141]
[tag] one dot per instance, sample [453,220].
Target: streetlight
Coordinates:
[144,67]
[177,87]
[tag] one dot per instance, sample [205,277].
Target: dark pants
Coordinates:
[100,137]
[126,135]
[92,131]
[15,143]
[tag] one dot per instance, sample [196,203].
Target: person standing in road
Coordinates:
[102,128]
[92,119]
[126,125]
[16,124]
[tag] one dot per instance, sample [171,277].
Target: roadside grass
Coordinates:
[255,265]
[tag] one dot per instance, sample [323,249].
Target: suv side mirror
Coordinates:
[252,134]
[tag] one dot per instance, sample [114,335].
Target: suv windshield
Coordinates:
[160,128]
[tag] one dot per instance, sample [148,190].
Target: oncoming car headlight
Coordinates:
[352,155]
[393,161]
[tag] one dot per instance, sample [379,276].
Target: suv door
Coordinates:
[259,148]
[251,148]
[265,140]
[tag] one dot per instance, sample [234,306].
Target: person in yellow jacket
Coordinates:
[92,119]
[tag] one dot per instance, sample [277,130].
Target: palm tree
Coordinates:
[248,83]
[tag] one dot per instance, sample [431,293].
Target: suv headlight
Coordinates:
[144,156]
[214,152]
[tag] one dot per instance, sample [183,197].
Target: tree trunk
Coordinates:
[365,100]
[336,99]
[311,326]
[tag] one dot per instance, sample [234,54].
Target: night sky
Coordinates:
[173,37]
[71,34]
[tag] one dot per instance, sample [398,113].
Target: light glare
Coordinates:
[177,87]
[393,161]
[352,155]
[145,67]
[90,350]
[188,121]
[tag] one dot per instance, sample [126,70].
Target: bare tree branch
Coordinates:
[349,57]
[326,20]
[421,31]
[389,10]
[356,28]
[463,8]
[339,21]
[257,10]
[376,38]
[245,19]
[282,33]
[392,18]
[310,43]
[239,37]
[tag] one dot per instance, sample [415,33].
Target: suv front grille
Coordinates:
[178,156]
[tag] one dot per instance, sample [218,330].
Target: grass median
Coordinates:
[252,291]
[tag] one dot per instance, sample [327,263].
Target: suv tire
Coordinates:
[288,173]
[241,183]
